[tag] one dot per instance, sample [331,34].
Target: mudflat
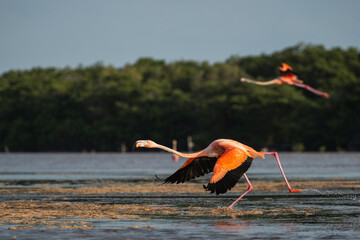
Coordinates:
[54,207]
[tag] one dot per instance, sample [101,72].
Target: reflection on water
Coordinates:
[328,213]
[233,225]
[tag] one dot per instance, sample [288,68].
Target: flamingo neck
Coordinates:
[256,82]
[264,83]
[185,155]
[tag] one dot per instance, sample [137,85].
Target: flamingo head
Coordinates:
[145,143]
[285,68]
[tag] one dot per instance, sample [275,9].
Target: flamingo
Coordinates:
[227,158]
[175,157]
[287,77]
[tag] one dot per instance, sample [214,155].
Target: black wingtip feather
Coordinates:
[198,167]
[230,179]
[157,178]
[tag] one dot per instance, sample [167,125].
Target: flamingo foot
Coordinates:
[294,190]
[325,95]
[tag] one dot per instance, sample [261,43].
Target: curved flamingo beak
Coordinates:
[141,143]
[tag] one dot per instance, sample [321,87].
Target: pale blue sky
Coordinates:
[71,32]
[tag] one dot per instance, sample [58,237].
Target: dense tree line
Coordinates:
[102,107]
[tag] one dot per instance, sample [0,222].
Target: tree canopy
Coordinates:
[103,107]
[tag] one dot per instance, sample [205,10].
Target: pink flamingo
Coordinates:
[175,157]
[228,159]
[287,77]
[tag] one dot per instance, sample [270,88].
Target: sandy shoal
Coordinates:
[156,187]
[20,214]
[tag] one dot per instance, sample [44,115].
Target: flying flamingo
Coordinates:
[287,77]
[228,159]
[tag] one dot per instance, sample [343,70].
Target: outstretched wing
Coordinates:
[228,170]
[192,168]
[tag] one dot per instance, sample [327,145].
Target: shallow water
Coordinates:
[316,213]
[81,166]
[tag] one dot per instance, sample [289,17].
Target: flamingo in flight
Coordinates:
[228,159]
[287,76]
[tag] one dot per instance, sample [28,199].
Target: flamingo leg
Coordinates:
[248,190]
[282,171]
[317,92]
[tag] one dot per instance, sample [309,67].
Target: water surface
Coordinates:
[316,213]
